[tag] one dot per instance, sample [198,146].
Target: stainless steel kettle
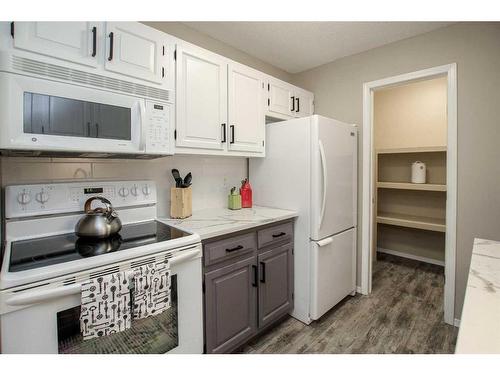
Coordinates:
[99,222]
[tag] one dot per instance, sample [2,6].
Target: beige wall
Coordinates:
[191,35]
[337,87]
[412,115]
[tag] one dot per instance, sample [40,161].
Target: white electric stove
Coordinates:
[45,264]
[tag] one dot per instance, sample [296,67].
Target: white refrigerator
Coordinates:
[311,167]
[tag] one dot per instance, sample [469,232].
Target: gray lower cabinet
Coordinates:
[230,301]
[275,283]
[248,284]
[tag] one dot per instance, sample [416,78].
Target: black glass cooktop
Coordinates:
[45,251]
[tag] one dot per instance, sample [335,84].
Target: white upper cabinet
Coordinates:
[246,113]
[303,103]
[201,88]
[139,51]
[285,101]
[280,97]
[77,42]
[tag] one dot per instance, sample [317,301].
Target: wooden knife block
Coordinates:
[181,202]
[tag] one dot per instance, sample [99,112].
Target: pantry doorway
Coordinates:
[372,155]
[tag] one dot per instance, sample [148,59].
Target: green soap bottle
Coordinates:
[234,199]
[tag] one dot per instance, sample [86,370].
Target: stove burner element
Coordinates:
[91,247]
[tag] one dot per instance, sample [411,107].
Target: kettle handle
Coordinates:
[88,203]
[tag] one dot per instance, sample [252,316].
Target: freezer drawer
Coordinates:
[333,271]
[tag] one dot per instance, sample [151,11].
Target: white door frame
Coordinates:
[450,71]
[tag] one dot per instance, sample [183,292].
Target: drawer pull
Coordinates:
[281,234]
[239,247]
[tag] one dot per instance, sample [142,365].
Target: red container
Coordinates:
[246,194]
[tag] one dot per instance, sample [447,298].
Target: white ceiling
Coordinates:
[298,46]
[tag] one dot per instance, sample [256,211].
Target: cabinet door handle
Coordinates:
[162,72]
[97,130]
[232,133]
[239,247]
[263,274]
[293,103]
[298,105]
[88,129]
[111,39]
[223,133]
[255,277]
[281,234]
[94,41]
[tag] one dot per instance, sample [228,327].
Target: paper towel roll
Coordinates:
[418,172]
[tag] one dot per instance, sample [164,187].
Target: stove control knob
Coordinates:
[24,198]
[134,191]
[146,190]
[42,197]
[123,192]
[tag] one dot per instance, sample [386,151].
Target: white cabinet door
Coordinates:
[303,105]
[246,113]
[280,97]
[77,42]
[201,87]
[139,51]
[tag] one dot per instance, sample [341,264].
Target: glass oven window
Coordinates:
[154,335]
[53,115]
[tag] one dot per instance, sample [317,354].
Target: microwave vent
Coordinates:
[77,76]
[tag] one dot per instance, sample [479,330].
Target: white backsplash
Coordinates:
[212,176]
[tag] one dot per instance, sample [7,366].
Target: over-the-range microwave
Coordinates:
[44,117]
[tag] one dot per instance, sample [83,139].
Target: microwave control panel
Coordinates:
[160,128]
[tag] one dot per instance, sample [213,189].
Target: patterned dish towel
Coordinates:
[152,289]
[105,302]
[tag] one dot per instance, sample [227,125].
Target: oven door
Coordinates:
[38,114]
[46,320]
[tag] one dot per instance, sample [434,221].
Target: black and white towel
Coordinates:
[152,289]
[105,305]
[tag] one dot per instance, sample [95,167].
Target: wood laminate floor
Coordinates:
[404,314]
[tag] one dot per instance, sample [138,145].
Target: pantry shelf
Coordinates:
[411,186]
[411,150]
[410,221]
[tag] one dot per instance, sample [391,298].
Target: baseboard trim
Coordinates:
[410,256]
[456,322]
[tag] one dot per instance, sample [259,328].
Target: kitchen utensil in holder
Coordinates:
[181,202]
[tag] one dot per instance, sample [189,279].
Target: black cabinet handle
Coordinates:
[239,247]
[94,41]
[231,127]
[263,274]
[281,234]
[255,277]
[293,103]
[97,130]
[298,105]
[162,72]
[223,133]
[88,129]
[111,39]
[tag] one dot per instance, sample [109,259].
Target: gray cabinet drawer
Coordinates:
[276,234]
[228,248]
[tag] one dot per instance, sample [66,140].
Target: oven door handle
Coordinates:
[29,298]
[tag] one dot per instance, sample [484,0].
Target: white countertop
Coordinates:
[212,222]
[480,323]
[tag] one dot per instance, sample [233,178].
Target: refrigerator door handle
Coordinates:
[325,178]
[324,241]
